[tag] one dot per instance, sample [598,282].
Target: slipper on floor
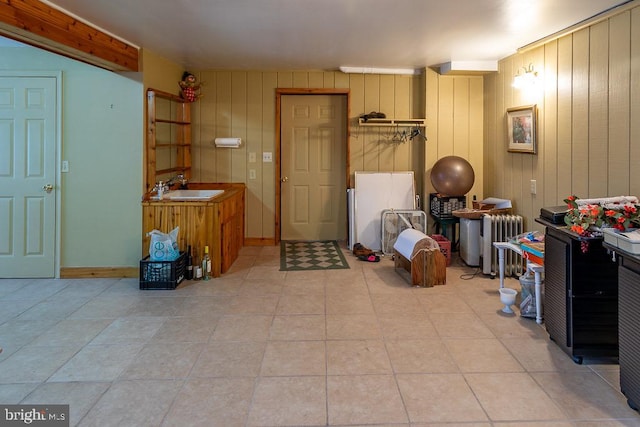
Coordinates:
[369,258]
[360,250]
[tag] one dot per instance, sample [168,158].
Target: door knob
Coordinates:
[284,179]
[48,188]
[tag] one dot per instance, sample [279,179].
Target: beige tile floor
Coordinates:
[261,347]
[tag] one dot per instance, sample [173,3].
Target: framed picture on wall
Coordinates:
[521,129]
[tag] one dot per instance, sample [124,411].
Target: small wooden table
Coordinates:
[537,269]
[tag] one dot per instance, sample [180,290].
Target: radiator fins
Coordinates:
[500,228]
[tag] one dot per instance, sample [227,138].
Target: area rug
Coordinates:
[296,255]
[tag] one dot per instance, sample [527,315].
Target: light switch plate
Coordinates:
[65,166]
[533,186]
[252,157]
[252,174]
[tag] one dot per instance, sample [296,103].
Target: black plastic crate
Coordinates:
[443,206]
[162,274]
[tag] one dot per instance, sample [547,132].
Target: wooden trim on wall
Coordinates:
[259,241]
[98,272]
[40,25]
[303,91]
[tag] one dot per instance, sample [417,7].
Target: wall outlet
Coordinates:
[533,186]
[252,174]
[267,157]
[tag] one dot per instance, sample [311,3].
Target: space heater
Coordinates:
[500,228]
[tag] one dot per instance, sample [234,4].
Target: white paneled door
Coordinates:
[313,167]
[28,108]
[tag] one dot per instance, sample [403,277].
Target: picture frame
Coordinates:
[521,129]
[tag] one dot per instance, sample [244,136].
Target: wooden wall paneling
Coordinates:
[619,104]
[402,159]
[269,179]
[565,117]
[580,116]
[239,124]
[506,158]
[316,79]
[532,166]
[371,143]
[254,193]
[196,131]
[417,109]
[387,150]
[548,152]
[501,126]
[218,170]
[514,160]
[598,159]
[433,127]
[204,154]
[634,108]
[476,133]
[341,80]
[329,79]
[490,133]
[592,95]
[460,125]
[356,137]
[300,79]
[285,79]
[499,145]
[445,118]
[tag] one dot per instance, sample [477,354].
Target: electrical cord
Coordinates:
[467,276]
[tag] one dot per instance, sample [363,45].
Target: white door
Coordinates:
[313,167]
[28,107]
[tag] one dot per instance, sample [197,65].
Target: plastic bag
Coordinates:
[528,295]
[163,246]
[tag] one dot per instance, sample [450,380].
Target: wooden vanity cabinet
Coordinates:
[217,223]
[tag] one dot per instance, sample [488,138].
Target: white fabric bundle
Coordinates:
[609,202]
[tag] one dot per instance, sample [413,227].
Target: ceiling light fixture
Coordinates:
[528,79]
[376,70]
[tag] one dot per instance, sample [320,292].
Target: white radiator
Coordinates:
[500,228]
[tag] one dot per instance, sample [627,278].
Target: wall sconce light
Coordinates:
[527,79]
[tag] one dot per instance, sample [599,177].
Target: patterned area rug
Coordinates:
[311,255]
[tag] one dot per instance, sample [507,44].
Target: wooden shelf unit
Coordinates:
[392,122]
[168,137]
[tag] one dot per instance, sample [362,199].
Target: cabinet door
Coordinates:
[629,358]
[556,301]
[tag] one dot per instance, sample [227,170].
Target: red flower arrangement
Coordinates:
[586,219]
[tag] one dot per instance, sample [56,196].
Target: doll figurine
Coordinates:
[189,87]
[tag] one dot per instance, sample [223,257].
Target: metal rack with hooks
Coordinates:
[404,129]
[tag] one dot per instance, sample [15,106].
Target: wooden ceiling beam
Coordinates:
[40,25]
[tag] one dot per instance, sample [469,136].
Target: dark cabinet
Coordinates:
[629,319]
[581,296]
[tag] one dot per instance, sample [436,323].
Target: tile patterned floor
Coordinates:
[263,347]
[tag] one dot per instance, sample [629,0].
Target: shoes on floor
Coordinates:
[360,250]
[369,258]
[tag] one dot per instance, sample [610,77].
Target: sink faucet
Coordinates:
[177,179]
[160,188]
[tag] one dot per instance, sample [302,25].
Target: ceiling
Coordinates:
[326,34]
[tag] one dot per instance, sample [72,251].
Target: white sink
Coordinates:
[190,195]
